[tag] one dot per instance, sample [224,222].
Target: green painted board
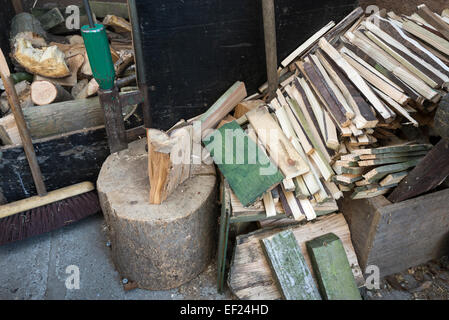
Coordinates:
[245,166]
[332,269]
[383,171]
[289,268]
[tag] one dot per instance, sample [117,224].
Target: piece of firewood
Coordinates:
[245,106]
[92,87]
[222,107]
[25,25]
[74,63]
[45,92]
[168,161]
[119,24]
[51,19]
[79,91]
[436,21]
[47,62]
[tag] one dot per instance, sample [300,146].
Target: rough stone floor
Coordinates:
[36,269]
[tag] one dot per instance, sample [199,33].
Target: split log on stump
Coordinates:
[159,247]
[45,92]
[168,161]
[47,62]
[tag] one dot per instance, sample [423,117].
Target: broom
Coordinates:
[47,211]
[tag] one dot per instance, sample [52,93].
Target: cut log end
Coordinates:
[45,92]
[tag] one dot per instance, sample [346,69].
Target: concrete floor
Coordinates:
[36,269]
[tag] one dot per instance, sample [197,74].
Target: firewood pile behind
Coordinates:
[354,112]
[50,60]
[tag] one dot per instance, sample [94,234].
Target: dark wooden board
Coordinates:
[431,171]
[64,160]
[195,50]
[330,100]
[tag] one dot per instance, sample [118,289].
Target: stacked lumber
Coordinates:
[51,62]
[346,98]
[376,171]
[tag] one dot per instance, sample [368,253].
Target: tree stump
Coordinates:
[160,247]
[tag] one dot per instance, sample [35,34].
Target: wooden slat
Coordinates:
[276,143]
[355,78]
[306,45]
[427,36]
[434,20]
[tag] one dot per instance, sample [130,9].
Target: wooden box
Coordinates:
[397,236]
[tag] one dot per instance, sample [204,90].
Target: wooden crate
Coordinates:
[397,236]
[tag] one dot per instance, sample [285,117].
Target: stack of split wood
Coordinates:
[347,100]
[51,63]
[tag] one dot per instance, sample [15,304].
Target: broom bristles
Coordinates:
[48,218]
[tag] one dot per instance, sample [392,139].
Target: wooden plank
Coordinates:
[413,66]
[277,144]
[427,36]
[293,277]
[380,172]
[365,118]
[393,178]
[269,205]
[434,20]
[391,155]
[355,78]
[427,175]
[374,79]
[393,66]
[222,107]
[395,149]
[397,33]
[82,151]
[307,44]
[409,59]
[325,94]
[250,275]
[332,268]
[377,162]
[397,107]
[414,231]
[245,178]
[333,35]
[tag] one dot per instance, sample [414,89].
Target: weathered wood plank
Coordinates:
[332,268]
[427,175]
[281,150]
[293,277]
[414,231]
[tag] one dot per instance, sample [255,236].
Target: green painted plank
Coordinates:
[293,277]
[395,149]
[248,171]
[332,269]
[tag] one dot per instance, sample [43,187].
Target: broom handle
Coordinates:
[21,125]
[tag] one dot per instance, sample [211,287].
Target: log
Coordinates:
[159,247]
[118,24]
[45,92]
[51,19]
[48,62]
[25,25]
[74,63]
